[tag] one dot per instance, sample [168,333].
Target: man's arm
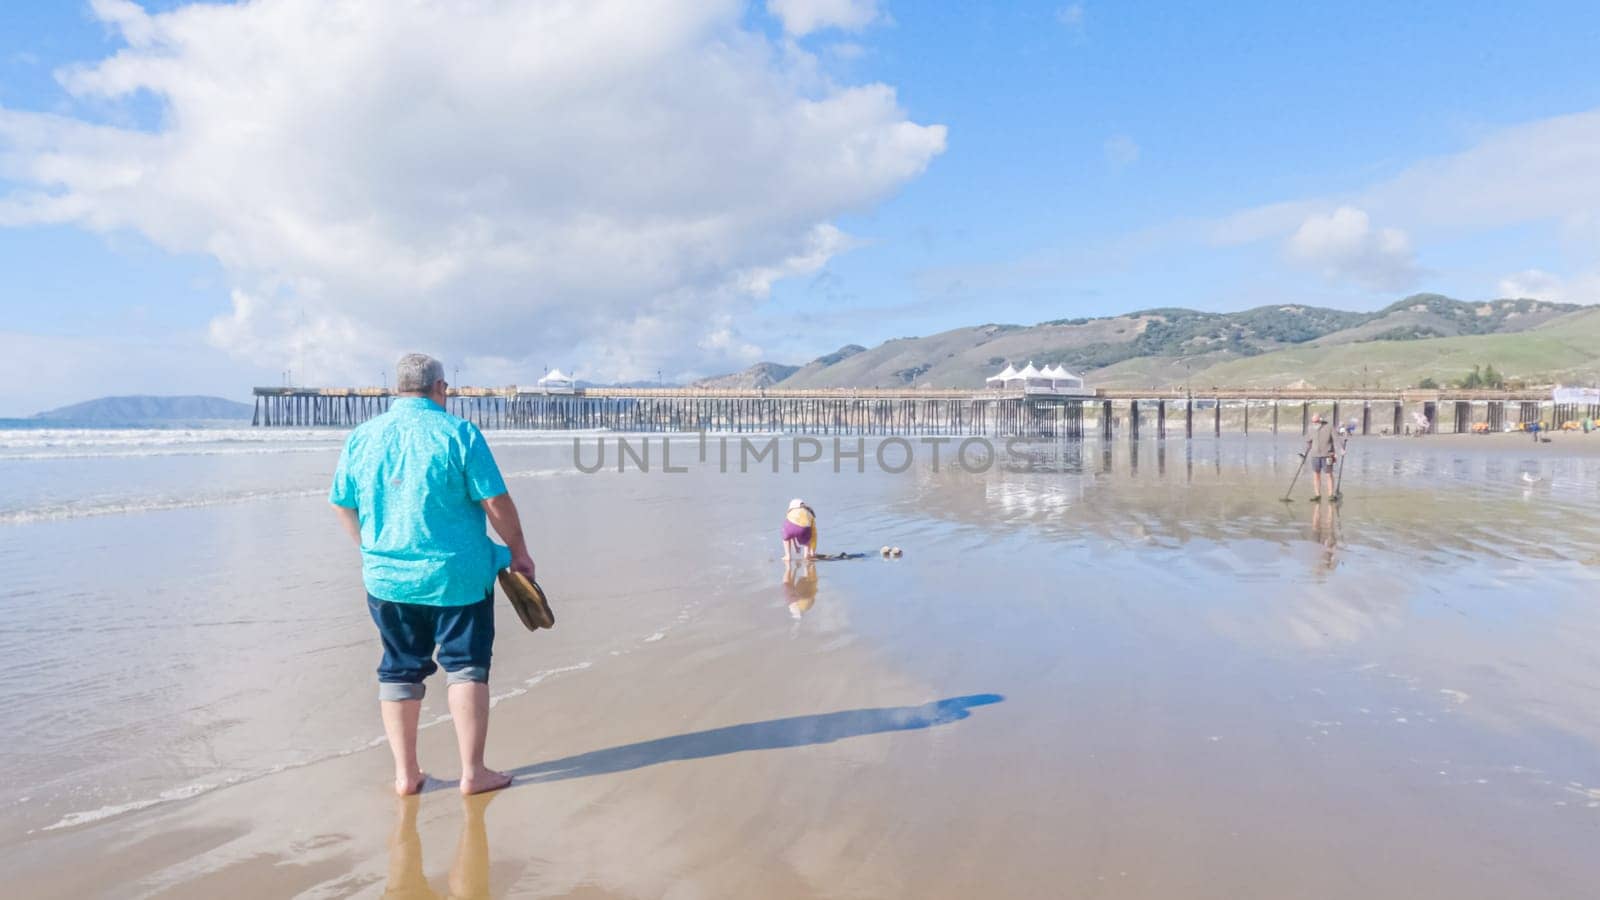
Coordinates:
[502,512]
[350,520]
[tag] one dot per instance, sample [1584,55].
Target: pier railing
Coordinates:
[923,411]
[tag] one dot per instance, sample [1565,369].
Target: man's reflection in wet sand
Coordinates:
[800,589]
[1325,531]
[469,874]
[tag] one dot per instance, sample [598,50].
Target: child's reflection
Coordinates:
[799,590]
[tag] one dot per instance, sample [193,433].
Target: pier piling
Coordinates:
[884,412]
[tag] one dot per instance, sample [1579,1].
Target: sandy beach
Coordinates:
[922,419]
[1130,673]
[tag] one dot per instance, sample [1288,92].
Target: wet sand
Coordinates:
[1143,676]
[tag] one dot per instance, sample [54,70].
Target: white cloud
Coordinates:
[1533,283]
[1542,171]
[846,50]
[1071,15]
[802,17]
[60,370]
[509,187]
[1344,247]
[1121,151]
[1541,285]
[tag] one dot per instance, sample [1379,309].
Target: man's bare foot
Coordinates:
[406,785]
[483,781]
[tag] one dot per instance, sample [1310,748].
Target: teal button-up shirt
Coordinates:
[415,476]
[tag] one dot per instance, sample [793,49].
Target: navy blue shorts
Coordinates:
[463,636]
[1322,464]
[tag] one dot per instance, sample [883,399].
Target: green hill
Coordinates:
[760,375]
[1421,336]
[1563,349]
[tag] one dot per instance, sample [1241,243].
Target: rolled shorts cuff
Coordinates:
[401,690]
[468,675]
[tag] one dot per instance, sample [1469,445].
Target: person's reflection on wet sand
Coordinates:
[800,590]
[1325,531]
[469,874]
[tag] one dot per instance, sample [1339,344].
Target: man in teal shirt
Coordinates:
[415,488]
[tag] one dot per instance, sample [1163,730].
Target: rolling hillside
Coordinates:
[1422,336]
[146,410]
[759,375]
[1565,349]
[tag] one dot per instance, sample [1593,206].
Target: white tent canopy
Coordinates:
[1062,378]
[556,381]
[1034,380]
[1006,374]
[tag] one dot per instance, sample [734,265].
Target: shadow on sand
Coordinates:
[774,734]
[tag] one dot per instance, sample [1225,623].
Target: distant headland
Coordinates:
[144,410]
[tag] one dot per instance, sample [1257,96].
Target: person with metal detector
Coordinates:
[1323,453]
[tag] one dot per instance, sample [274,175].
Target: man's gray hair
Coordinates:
[417,372]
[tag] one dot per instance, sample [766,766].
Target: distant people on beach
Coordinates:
[414,488]
[799,531]
[1322,452]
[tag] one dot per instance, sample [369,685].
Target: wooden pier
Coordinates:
[925,412]
[936,411]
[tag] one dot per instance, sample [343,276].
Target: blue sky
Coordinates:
[1230,106]
[1093,158]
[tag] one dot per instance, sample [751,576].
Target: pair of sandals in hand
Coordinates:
[528,599]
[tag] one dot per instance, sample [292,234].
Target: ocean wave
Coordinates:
[541,473]
[134,452]
[85,509]
[49,444]
[71,820]
[158,437]
[90,509]
[188,791]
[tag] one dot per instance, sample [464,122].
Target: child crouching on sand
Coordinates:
[799,530]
